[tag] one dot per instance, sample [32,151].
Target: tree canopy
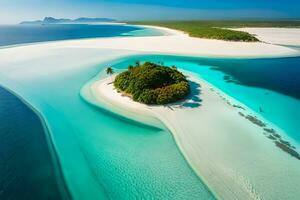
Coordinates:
[152,83]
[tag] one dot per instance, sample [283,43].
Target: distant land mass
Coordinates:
[52,20]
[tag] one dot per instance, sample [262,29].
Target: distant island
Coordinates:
[152,83]
[52,20]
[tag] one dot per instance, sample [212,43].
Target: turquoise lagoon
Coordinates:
[104,155]
[101,155]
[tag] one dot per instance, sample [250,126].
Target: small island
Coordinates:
[152,83]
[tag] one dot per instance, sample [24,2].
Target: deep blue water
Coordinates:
[20,34]
[26,168]
[277,74]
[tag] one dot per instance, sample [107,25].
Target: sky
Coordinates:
[14,11]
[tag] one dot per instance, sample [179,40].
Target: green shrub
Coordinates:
[152,83]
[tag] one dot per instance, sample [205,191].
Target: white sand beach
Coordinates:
[282,36]
[228,152]
[175,42]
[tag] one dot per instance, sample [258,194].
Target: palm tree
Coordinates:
[130,67]
[174,67]
[160,62]
[137,63]
[109,70]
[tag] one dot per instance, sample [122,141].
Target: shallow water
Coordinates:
[113,157]
[101,155]
[106,156]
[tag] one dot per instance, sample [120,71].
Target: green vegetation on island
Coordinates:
[151,83]
[219,29]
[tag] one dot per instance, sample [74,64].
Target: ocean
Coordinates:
[27,170]
[23,34]
[102,155]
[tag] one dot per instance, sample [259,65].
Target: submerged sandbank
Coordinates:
[230,153]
